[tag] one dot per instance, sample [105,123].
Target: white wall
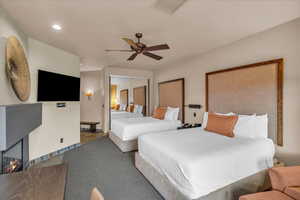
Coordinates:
[280,42]
[57,123]
[92,110]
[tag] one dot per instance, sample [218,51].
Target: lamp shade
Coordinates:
[89,93]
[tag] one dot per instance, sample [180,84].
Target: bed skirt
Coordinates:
[251,184]
[124,146]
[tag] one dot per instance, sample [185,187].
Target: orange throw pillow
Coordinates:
[117,107]
[159,113]
[130,108]
[221,124]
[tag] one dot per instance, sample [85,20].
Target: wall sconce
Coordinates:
[89,94]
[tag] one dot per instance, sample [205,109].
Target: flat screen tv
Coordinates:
[57,87]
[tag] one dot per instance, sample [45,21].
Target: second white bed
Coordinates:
[130,128]
[124,114]
[198,162]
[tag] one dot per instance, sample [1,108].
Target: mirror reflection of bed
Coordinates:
[128,97]
[167,115]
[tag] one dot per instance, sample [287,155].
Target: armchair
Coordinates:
[285,183]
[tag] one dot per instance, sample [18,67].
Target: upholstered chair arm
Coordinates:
[283,177]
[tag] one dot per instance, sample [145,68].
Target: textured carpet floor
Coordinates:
[86,136]
[101,164]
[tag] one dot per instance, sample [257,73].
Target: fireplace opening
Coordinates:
[12,159]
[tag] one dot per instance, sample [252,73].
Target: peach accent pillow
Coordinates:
[159,113]
[221,124]
[130,108]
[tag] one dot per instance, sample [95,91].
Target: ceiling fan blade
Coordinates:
[109,50]
[169,6]
[130,42]
[157,47]
[132,57]
[151,55]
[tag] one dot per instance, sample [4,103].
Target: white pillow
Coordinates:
[261,126]
[205,118]
[245,126]
[172,113]
[140,109]
[123,107]
[136,108]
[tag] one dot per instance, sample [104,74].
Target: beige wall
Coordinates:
[92,110]
[280,42]
[57,123]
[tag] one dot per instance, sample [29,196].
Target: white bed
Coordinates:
[131,128]
[124,114]
[125,131]
[197,162]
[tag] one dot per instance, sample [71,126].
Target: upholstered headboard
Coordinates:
[124,96]
[255,88]
[171,93]
[139,97]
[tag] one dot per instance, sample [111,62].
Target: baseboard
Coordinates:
[53,154]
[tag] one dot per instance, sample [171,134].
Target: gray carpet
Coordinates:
[101,164]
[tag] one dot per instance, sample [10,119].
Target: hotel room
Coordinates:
[150,100]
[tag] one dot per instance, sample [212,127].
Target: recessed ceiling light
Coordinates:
[56,27]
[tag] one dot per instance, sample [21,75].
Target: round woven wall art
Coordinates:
[17,68]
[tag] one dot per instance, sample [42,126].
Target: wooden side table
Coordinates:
[93,125]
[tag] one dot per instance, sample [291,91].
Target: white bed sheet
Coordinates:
[130,128]
[198,162]
[124,114]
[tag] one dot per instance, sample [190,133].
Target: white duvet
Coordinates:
[198,162]
[130,128]
[124,114]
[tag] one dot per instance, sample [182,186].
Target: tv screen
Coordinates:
[57,87]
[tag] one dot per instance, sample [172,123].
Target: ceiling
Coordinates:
[91,26]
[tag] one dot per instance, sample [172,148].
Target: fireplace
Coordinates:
[13,159]
[16,123]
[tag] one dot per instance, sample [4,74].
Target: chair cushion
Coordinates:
[293,192]
[272,195]
[282,177]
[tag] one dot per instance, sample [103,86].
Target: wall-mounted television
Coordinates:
[57,87]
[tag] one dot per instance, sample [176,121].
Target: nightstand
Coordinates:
[278,163]
[187,126]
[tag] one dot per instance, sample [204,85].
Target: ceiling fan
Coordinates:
[140,48]
[169,6]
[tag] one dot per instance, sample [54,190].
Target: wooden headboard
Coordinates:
[171,93]
[139,97]
[255,88]
[124,97]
